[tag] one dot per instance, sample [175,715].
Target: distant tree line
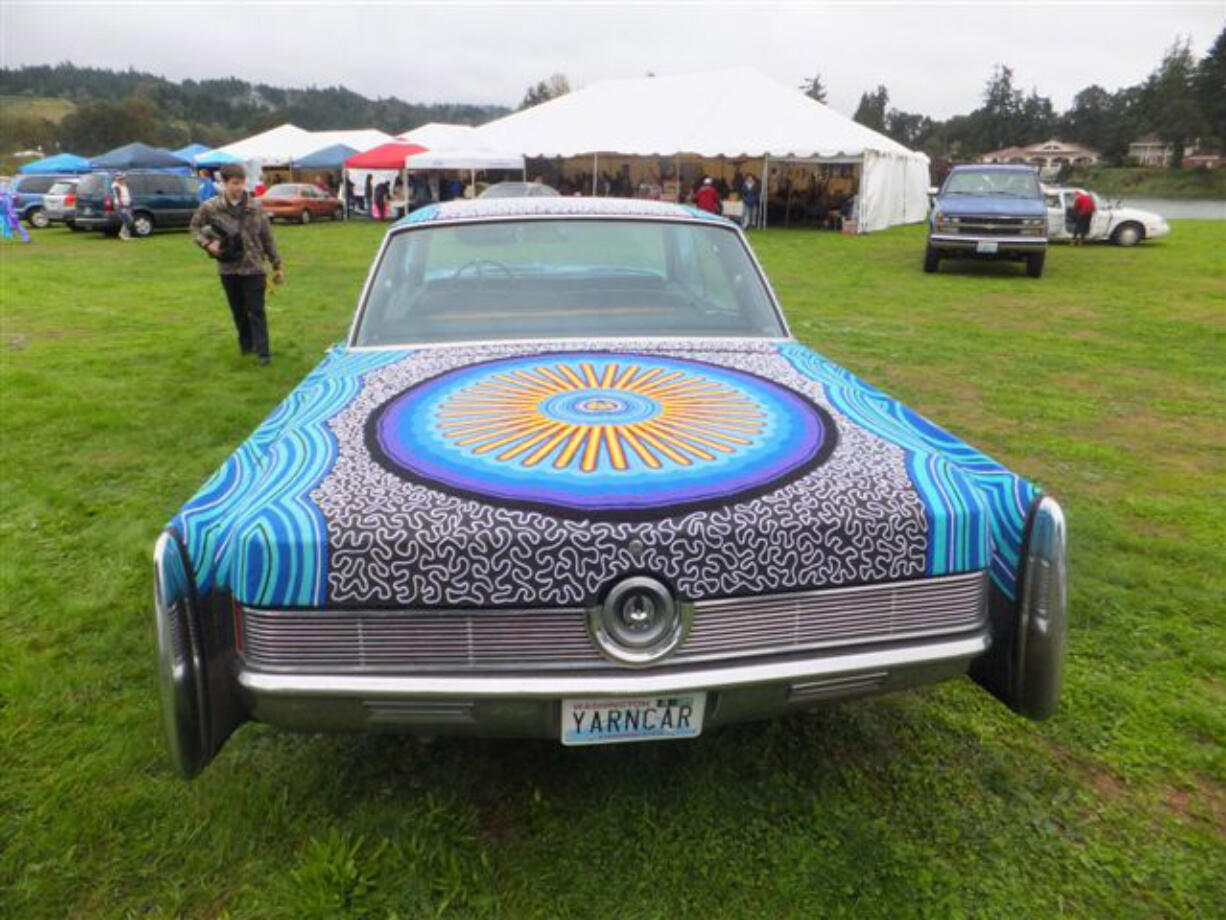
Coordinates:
[1181,101]
[116,107]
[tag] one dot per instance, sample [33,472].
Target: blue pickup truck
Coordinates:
[989,212]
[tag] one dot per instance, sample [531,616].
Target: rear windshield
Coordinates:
[283,191]
[565,279]
[61,188]
[93,184]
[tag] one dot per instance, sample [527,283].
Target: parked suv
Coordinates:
[989,212]
[158,200]
[28,192]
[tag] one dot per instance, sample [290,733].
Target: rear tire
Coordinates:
[304,217]
[932,260]
[1128,235]
[142,225]
[1034,264]
[38,219]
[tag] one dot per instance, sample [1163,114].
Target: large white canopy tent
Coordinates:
[457,147]
[734,113]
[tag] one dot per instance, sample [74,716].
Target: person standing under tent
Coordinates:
[368,198]
[121,195]
[207,188]
[751,195]
[234,229]
[707,198]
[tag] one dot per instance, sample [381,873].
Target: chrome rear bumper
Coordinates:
[528,705]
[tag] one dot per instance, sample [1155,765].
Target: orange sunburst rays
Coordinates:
[691,418]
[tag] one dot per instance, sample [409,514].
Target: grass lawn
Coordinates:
[1104,381]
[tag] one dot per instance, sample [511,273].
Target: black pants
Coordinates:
[246,296]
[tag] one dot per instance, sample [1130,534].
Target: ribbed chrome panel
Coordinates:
[502,640]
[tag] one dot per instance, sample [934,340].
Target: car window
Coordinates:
[992,183]
[61,188]
[36,185]
[93,184]
[166,184]
[1052,199]
[565,279]
[140,185]
[284,190]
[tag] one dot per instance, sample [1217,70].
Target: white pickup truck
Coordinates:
[1111,223]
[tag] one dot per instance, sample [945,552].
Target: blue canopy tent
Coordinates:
[60,163]
[190,151]
[139,156]
[333,157]
[214,158]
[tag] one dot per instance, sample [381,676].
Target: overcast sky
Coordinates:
[933,57]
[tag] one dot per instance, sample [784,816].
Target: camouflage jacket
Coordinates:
[217,218]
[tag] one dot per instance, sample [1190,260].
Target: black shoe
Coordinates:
[265,359]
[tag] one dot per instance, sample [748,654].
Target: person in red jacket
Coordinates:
[708,198]
[1083,213]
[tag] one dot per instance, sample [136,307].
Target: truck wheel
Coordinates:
[932,260]
[1128,235]
[38,219]
[1034,264]
[142,224]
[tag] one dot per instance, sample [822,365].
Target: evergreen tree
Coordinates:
[813,88]
[1171,104]
[871,112]
[1210,88]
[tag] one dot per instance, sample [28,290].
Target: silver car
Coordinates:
[60,202]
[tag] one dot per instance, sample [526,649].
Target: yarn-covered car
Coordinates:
[569,476]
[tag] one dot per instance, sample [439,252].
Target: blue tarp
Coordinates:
[211,158]
[190,151]
[139,156]
[333,157]
[60,163]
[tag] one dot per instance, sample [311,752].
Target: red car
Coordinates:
[301,202]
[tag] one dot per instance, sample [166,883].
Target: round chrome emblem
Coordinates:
[639,623]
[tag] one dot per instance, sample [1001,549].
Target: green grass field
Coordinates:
[1105,382]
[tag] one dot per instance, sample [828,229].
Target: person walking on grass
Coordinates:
[121,195]
[234,230]
[1083,214]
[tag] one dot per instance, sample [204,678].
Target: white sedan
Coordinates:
[1111,223]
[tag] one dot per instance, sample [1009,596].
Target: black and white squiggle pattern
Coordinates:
[854,519]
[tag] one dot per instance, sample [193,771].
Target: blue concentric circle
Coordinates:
[601,435]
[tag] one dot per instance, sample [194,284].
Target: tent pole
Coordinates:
[473,181]
[595,171]
[763,198]
[677,176]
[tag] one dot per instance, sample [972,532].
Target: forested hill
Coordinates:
[114,107]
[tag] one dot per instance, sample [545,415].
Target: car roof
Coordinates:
[482,208]
[993,167]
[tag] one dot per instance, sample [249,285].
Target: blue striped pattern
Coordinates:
[252,526]
[956,482]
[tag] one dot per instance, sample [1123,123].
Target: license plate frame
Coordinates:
[987,247]
[585,721]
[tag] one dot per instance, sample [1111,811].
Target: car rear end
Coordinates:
[60,202]
[95,206]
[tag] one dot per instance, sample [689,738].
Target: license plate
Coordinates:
[605,721]
[986,246]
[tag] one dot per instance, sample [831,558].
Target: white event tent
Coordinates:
[458,147]
[282,145]
[734,113]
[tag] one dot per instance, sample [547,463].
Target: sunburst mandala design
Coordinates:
[570,415]
[600,434]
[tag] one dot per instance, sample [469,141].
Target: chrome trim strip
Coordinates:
[615,684]
[972,241]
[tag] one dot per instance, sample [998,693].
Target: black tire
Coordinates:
[1034,264]
[304,217]
[72,225]
[1128,234]
[142,224]
[338,214]
[932,260]
[37,218]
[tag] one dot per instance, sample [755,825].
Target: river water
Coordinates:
[1172,209]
